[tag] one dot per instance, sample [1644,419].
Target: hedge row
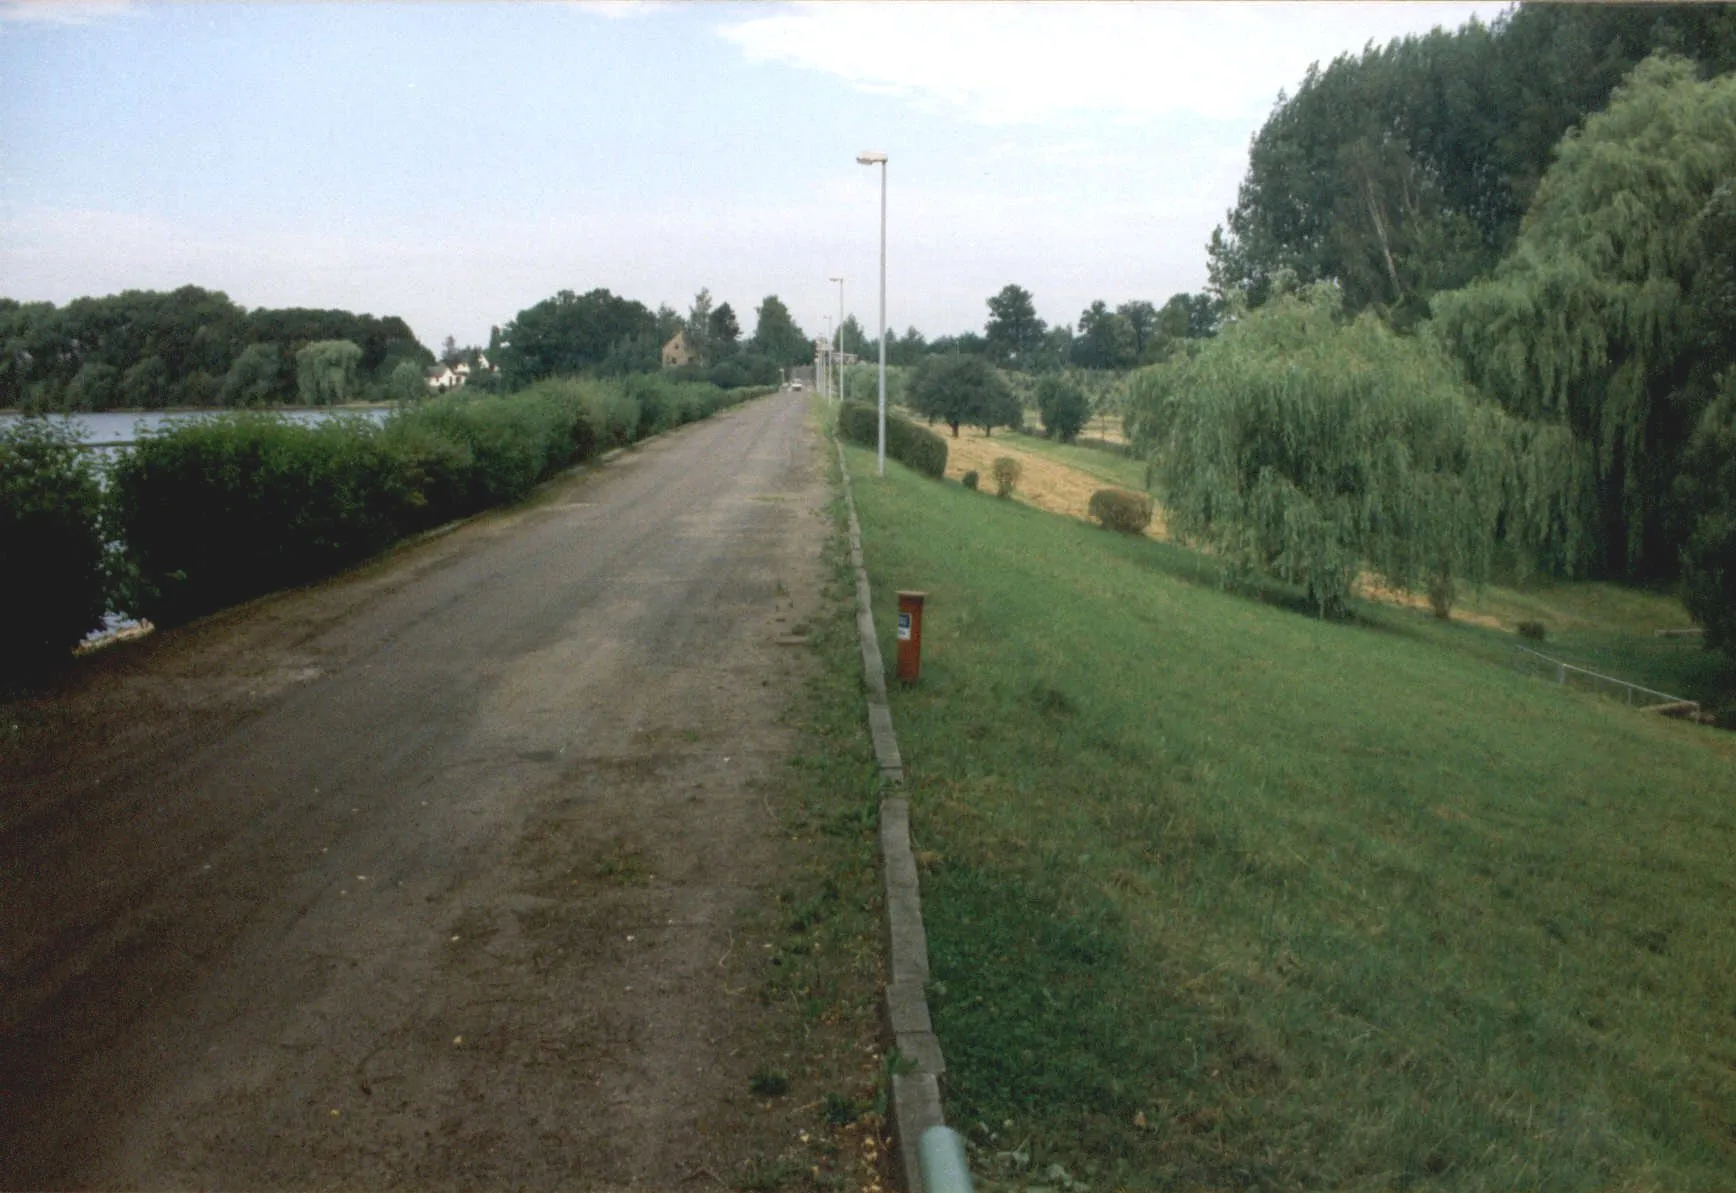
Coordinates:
[217,510]
[51,546]
[921,449]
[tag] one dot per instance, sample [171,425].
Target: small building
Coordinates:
[676,352]
[442,378]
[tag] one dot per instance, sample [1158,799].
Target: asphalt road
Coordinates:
[430,875]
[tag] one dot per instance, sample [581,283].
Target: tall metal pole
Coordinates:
[879,159]
[840,358]
[881,464]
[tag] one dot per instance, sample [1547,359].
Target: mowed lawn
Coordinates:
[1223,896]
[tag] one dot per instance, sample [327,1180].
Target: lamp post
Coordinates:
[826,357]
[869,158]
[840,282]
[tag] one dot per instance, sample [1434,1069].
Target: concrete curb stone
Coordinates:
[916,1102]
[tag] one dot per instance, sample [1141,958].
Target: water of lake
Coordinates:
[113,428]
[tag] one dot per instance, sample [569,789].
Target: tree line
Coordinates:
[1015,338]
[194,347]
[601,333]
[1539,214]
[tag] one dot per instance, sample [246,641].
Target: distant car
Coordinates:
[795,385]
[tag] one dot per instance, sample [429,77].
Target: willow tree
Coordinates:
[1707,491]
[325,372]
[1611,316]
[1302,446]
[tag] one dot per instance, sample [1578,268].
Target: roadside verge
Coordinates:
[916,1106]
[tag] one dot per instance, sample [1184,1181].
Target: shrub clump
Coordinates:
[970,480]
[1006,472]
[222,509]
[1534,630]
[1121,509]
[1063,408]
[51,547]
[905,441]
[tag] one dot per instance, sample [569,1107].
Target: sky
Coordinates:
[457,163]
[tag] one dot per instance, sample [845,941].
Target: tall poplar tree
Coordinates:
[1613,316]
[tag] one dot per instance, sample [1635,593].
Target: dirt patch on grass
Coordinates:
[1043,482]
[1371,588]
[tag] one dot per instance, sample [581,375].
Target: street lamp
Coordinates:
[840,282]
[826,360]
[869,158]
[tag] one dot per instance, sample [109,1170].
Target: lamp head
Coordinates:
[869,158]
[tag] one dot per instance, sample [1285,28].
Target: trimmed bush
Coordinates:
[222,509]
[1006,472]
[1121,509]
[51,547]
[970,480]
[905,441]
[1063,408]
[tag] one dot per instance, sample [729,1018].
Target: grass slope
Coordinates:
[1223,896]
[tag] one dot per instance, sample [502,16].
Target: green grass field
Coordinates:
[1223,896]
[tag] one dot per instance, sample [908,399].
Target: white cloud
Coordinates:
[1039,63]
[62,12]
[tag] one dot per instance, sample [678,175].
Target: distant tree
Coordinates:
[1063,407]
[383,342]
[407,383]
[967,342]
[1613,315]
[145,386]
[1299,446]
[196,389]
[325,371]
[906,349]
[1106,339]
[642,353]
[1055,350]
[851,337]
[698,326]
[450,352]
[1014,332]
[958,389]
[573,333]
[1141,319]
[1184,317]
[96,386]
[723,331]
[256,377]
[777,337]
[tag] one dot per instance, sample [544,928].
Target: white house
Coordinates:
[442,378]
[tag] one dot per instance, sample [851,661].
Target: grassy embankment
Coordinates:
[1609,628]
[1221,895]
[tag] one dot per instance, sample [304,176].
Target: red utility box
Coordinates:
[910,635]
